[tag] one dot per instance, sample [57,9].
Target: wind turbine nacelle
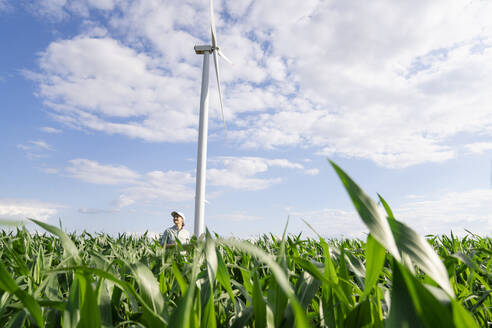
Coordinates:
[200,50]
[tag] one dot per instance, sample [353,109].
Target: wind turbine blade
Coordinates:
[221,54]
[212,24]
[216,62]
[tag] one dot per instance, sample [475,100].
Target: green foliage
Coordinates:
[394,278]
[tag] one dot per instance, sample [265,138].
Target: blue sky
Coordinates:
[99,109]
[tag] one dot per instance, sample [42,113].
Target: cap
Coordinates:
[174,213]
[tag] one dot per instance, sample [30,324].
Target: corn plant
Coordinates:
[393,278]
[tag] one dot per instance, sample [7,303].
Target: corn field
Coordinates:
[394,278]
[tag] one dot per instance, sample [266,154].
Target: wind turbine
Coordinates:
[201,164]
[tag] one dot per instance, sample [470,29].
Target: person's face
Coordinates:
[178,220]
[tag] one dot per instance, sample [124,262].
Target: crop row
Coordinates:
[394,278]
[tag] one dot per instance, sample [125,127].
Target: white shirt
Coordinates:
[171,234]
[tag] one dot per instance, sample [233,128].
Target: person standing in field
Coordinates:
[176,232]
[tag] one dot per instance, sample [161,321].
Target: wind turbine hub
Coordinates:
[201,49]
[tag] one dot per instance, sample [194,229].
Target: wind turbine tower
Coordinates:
[201,165]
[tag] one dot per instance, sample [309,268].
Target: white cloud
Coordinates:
[35,145]
[312,172]
[171,185]
[51,130]
[245,173]
[136,187]
[52,9]
[62,9]
[20,209]
[339,77]
[236,217]
[35,149]
[49,170]
[94,211]
[99,84]
[4,5]
[413,196]
[237,180]
[123,201]
[456,211]
[93,172]
[392,95]
[479,147]
[238,8]
[42,144]
[170,27]
[242,172]
[331,222]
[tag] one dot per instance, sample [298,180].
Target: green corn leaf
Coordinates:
[69,247]
[211,256]
[306,288]
[38,269]
[31,305]
[149,287]
[313,270]
[243,318]
[413,303]
[5,299]
[243,291]
[344,278]
[116,296]
[223,276]
[17,320]
[8,284]
[461,317]
[162,283]
[276,295]
[419,250]
[466,259]
[89,313]
[334,301]
[105,304]
[360,316]
[279,275]
[375,255]
[18,261]
[259,305]
[37,265]
[377,310]
[403,312]
[71,314]
[278,301]
[270,317]
[399,237]
[282,260]
[183,286]
[208,315]
[203,295]
[369,213]
[248,285]
[386,207]
[151,294]
[422,254]
[327,310]
[330,271]
[129,291]
[182,315]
